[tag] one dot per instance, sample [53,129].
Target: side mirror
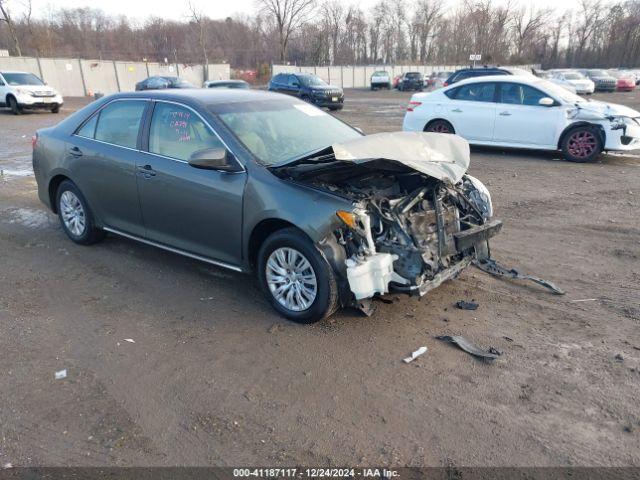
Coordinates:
[213,159]
[546,102]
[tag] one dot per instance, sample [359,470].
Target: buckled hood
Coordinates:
[444,157]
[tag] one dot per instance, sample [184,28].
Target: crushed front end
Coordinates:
[417,218]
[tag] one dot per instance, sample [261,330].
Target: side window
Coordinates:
[517,94]
[476,92]
[177,132]
[88,130]
[293,81]
[452,92]
[119,122]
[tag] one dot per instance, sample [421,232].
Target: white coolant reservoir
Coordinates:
[372,275]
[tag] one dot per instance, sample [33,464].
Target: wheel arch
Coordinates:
[54,183]
[260,232]
[568,128]
[438,119]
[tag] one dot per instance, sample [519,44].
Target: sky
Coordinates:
[177,9]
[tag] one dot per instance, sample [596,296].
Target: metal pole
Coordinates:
[40,68]
[84,83]
[115,70]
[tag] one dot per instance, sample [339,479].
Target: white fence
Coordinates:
[360,77]
[76,77]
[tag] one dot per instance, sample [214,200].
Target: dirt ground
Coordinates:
[216,377]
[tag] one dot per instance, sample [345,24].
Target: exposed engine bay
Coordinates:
[408,230]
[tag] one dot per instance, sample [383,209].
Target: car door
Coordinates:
[101,156]
[520,119]
[472,110]
[195,210]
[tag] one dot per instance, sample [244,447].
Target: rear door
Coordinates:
[472,110]
[520,119]
[195,210]
[102,157]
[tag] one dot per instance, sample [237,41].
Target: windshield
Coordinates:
[380,74]
[559,92]
[22,79]
[278,132]
[414,75]
[598,73]
[573,76]
[311,81]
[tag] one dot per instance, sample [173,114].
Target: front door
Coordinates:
[520,119]
[192,209]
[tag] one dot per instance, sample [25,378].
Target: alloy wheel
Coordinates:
[291,279]
[582,144]
[72,213]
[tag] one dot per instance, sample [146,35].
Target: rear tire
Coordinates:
[13,105]
[75,216]
[439,126]
[281,268]
[581,144]
[55,109]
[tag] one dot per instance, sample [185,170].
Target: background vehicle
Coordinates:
[226,84]
[411,81]
[396,81]
[625,81]
[257,182]
[602,80]
[437,79]
[484,71]
[309,88]
[380,79]
[525,112]
[579,82]
[22,90]
[159,83]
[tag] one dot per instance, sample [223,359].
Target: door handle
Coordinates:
[147,171]
[456,110]
[75,151]
[505,114]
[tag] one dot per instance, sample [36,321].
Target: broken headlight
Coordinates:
[618,123]
[480,197]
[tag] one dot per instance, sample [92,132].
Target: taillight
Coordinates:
[34,141]
[413,105]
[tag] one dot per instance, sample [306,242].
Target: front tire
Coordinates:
[13,105]
[55,109]
[581,144]
[75,215]
[295,278]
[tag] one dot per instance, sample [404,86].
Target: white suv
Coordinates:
[22,90]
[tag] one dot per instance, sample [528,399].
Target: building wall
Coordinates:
[75,77]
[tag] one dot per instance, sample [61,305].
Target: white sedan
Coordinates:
[525,112]
[579,82]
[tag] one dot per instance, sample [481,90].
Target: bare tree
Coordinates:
[527,24]
[289,15]
[6,17]
[200,22]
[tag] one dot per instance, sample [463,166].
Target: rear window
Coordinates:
[119,123]
[414,76]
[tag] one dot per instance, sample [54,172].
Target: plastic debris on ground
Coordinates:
[469,347]
[61,374]
[130,340]
[464,305]
[414,355]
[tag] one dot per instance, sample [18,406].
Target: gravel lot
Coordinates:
[216,377]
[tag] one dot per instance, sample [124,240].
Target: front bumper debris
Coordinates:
[466,239]
[494,268]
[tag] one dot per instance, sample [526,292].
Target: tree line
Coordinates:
[595,33]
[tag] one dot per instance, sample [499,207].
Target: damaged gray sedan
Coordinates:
[262,182]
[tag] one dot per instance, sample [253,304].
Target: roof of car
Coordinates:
[12,71]
[203,95]
[499,78]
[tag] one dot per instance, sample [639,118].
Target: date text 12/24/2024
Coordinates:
[314,473]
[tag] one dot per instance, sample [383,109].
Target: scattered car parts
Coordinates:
[469,347]
[414,355]
[492,267]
